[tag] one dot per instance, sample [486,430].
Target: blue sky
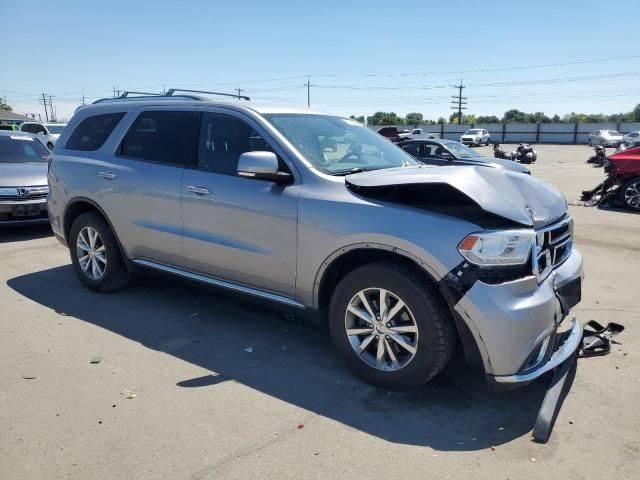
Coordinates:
[362,56]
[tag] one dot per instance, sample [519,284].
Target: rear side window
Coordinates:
[163,136]
[92,132]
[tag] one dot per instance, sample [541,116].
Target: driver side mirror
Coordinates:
[262,166]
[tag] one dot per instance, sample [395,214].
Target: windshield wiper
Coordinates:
[350,171]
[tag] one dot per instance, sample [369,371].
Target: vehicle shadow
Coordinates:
[289,360]
[18,233]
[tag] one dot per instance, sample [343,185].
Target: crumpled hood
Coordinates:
[29,174]
[520,198]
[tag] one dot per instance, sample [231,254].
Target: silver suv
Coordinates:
[405,262]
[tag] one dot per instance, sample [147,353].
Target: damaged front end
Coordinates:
[518,275]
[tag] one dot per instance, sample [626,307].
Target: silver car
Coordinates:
[475,136]
[405,262]
[606,138]
[23,179]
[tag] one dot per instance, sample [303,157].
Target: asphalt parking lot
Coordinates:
[203,407]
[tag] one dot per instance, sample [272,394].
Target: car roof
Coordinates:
[193,101]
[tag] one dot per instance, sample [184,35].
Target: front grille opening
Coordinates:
[553,246]
[496,275]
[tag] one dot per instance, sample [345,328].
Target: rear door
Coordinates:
[236,228]
[141,187]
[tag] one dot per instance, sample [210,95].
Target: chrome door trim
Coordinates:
[219,283]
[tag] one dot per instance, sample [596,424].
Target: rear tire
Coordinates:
[95,254]
[630,194]
[414,327]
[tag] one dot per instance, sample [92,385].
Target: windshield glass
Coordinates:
[21,149]
[473,132]
[56,129]
[460,150]
[337,145]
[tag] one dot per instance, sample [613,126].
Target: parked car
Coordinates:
[450,152]
[10,128]
[475,136]
[606,138]
[393,134]
[403,261]
[47,133]
[420,133]
[623,169]
[631,139]
[23,179]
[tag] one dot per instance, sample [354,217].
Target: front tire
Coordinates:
[95,254]
[630,194]
[391,326]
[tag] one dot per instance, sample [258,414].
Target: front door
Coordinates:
[235,228]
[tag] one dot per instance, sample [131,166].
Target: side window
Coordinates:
[38,129]
[430,150]
[27,128]
[412,149]
[163,136]
[223,138]
[92,132]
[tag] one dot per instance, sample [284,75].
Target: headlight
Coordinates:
[509,247]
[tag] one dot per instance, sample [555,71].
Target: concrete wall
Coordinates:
[527,132]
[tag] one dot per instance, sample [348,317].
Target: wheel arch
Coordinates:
[77,207]
[349,257]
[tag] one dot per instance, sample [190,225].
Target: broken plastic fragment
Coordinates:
[249,349]
[127,394]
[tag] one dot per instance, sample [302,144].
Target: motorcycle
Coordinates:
[498,152]
[600,156]
[524,154]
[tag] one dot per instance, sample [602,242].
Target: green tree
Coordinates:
[357,119]
[556,118]
[470,118]
[385,118]
[515,116]
[441,120]
[487,119]
[635,113]
[413,118]
[4,106]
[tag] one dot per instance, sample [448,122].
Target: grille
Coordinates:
[553,246]
[24,193]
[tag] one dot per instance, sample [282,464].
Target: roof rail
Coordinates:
[169,95]
[239,97]
[127,92]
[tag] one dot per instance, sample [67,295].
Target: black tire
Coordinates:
[625,199]
[436,332]
[115,273]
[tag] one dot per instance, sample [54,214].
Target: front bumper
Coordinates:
[516,324]
[8,216]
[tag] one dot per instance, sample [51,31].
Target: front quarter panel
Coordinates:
[334,220]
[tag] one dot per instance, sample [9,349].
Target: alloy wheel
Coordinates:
[91,253]
[381,329]
[632,195]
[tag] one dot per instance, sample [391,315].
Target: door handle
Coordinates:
[198,190]
[107,175]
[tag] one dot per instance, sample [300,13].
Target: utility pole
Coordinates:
[239,90]
[83,98]
[460,101]
[52,110]
[308,85]
[44,103]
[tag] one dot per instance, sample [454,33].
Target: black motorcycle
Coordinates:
[498,152]
[524,154]
[600,156]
